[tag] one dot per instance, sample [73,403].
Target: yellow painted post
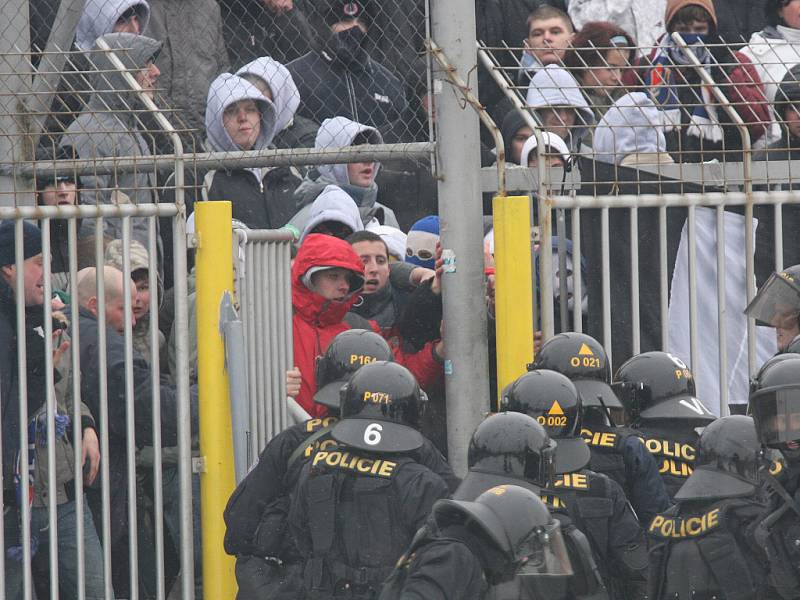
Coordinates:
[214,270]
[513,287]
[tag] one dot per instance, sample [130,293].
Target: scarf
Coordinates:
[703,120]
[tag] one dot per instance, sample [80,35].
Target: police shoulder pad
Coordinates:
[674,527]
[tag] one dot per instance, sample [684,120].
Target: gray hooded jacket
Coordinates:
[339,132]
[108,127]
[100,16]
[633,125]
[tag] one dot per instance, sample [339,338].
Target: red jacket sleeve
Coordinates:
[746,92]
[423,364]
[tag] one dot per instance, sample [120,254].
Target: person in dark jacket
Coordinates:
[31,483]
[340,79]
[116,397]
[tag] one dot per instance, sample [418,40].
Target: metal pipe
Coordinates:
[663,270]
[87,211]
[286,291]
[674,200]
[778,237]
[563,291]
[721,313]
[606,285]
[691,230]
[635,320]
[577,273]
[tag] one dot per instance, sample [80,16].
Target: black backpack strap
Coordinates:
[721,553]
[322,504]
[308,442]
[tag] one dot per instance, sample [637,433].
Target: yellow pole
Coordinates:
[513,287]
[214,270]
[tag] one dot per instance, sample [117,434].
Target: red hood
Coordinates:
[320,250]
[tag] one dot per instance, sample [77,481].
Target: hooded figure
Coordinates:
[632,132]
[553,145]
[514,129]
[421,242]
[333,205]
[262,197]
[554,87]
[100,16]
[108,127]
[341,132]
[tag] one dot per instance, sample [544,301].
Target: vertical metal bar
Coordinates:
[636,330]
[155,369]
[577,272]
[261,359]
[50,402]
[130,416]
[691,231]
[286,292]
[77,431]
[545,275]
[563,304]
[664,273]
[22,367]
[275,362]
[105,489]
[721,313]
[253,365]
[778,236]
[606,260]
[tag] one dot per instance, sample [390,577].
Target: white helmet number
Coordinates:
[372,434]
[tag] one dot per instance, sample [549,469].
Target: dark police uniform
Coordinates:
[672,445]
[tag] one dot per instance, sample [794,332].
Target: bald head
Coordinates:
[114,300]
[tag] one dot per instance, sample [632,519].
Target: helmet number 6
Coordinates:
[372,434]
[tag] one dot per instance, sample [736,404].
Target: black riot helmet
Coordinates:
[508,447]
[517,523]
[776,404]
[755,382]
[380,409]
[659,385]
[581,358]
[727,462]
[552,399]
[348,352]
[778,300]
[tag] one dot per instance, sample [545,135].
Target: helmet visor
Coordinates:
[776,412]
[543,553]
[777,302]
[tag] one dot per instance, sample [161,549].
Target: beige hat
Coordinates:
[673,6]
[139,256]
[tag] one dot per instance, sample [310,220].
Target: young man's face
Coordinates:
[548,40]
[792,120]
[695,26]
[550,160]
[147,78]
[142,305]
[33,280]
[332,284]
[63,193]
[790,13]
[786,326]
[558,120]
[361,174]
[128,23]
[115,311]
[242,121]
[517,142]
[376,264]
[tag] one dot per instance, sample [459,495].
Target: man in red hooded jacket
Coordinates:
[326,278]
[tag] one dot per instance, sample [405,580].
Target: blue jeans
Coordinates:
[67,552]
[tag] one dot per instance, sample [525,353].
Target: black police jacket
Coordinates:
[255,516]
[672,444]
[621,454]
[597,506]
[353,514]
[705,549]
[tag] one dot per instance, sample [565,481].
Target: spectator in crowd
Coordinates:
[421,242]
[116,377]
[277,85]
[239,117]
[192,55]
[108,128]
[775,49]
[340,78]
[515,133]
[697,128]
[256,28]
[600,52]
[326,278]
[333,213]
[632,133]
[737,20]
[548,36]
[396,34]
[643,20]
[19,483]
[101,17]
[556,153]
[558,103]
[356,179]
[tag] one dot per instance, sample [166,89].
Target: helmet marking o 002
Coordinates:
[380,409]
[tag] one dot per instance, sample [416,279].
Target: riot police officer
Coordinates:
[595,503]
[777,305]
[505,535]
[616,451]
[513,448]
[255,516]
[703,547]
[658,392]
[357,507]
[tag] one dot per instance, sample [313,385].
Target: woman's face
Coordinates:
[607,77]
[790,13]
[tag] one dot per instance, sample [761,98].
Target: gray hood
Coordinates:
[554,86]
[285,95]
[100,16]
[333,204]
[111,89]
[339,132]
[633,125]
[224,91]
